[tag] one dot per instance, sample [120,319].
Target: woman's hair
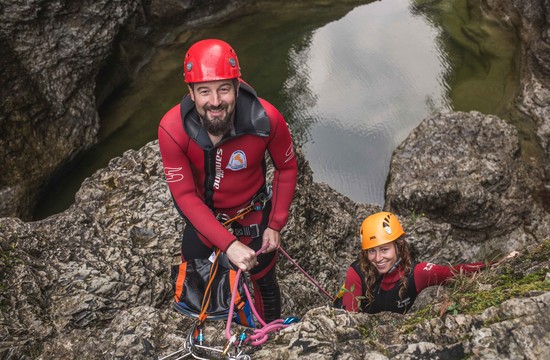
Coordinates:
[371,274]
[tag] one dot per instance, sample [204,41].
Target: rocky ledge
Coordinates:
[93,282]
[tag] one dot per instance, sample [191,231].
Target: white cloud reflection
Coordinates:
[375,74]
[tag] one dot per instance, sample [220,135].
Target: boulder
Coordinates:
[464,172]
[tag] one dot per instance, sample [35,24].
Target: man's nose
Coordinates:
[215,99]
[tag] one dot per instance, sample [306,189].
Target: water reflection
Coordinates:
[371,78]
[353,78]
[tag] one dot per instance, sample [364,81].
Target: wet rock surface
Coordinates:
[48,111]
[533,23]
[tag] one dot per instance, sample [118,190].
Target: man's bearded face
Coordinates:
[215,103]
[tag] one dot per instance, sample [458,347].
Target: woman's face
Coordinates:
[383,257]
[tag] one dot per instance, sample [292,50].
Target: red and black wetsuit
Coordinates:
[386,290]
[207,180]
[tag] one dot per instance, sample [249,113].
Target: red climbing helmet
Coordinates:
[380,228]
[210,60]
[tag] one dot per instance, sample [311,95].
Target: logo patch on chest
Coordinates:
[237,161]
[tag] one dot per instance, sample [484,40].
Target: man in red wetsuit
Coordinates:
[213,147]
[385,278]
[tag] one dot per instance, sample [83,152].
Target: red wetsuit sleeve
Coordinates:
[428,274]
[354,287]
[281,150]
[177,169]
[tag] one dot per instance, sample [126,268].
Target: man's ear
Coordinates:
[237,85]
[191,93]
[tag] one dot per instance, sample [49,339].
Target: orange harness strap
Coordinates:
[207,292]
[214,268]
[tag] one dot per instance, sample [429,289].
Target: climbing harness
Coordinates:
[194,342]
[238,343]
[258,203]
[235,347]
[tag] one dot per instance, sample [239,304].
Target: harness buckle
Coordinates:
[263,197]
[254,230]
[251,230]
[222,217]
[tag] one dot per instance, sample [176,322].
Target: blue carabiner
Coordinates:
[291,320]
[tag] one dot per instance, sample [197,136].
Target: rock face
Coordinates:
[52,54]
[48,109]
[532,20]
[326,333]
[94,280]
[105,262]
[464,171]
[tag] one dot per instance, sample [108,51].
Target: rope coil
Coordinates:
[256,337]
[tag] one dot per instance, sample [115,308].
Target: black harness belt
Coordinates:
[251,230]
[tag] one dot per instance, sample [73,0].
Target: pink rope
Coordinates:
[249,297]
[260,336]
[306,274]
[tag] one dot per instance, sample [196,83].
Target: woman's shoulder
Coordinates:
[356,265]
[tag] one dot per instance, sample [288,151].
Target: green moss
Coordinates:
[472,294]
[425,313]
[370,335]
[540,254]
[416,215]
[505,287]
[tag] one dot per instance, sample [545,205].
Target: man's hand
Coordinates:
[241,256]
[271,238]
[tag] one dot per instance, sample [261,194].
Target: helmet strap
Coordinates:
[395,265]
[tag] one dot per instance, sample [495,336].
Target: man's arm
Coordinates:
[281,150]
[180,181]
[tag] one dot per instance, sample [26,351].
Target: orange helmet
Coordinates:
[210,60]
[380,228]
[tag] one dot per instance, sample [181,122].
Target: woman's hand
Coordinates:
[511,255]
